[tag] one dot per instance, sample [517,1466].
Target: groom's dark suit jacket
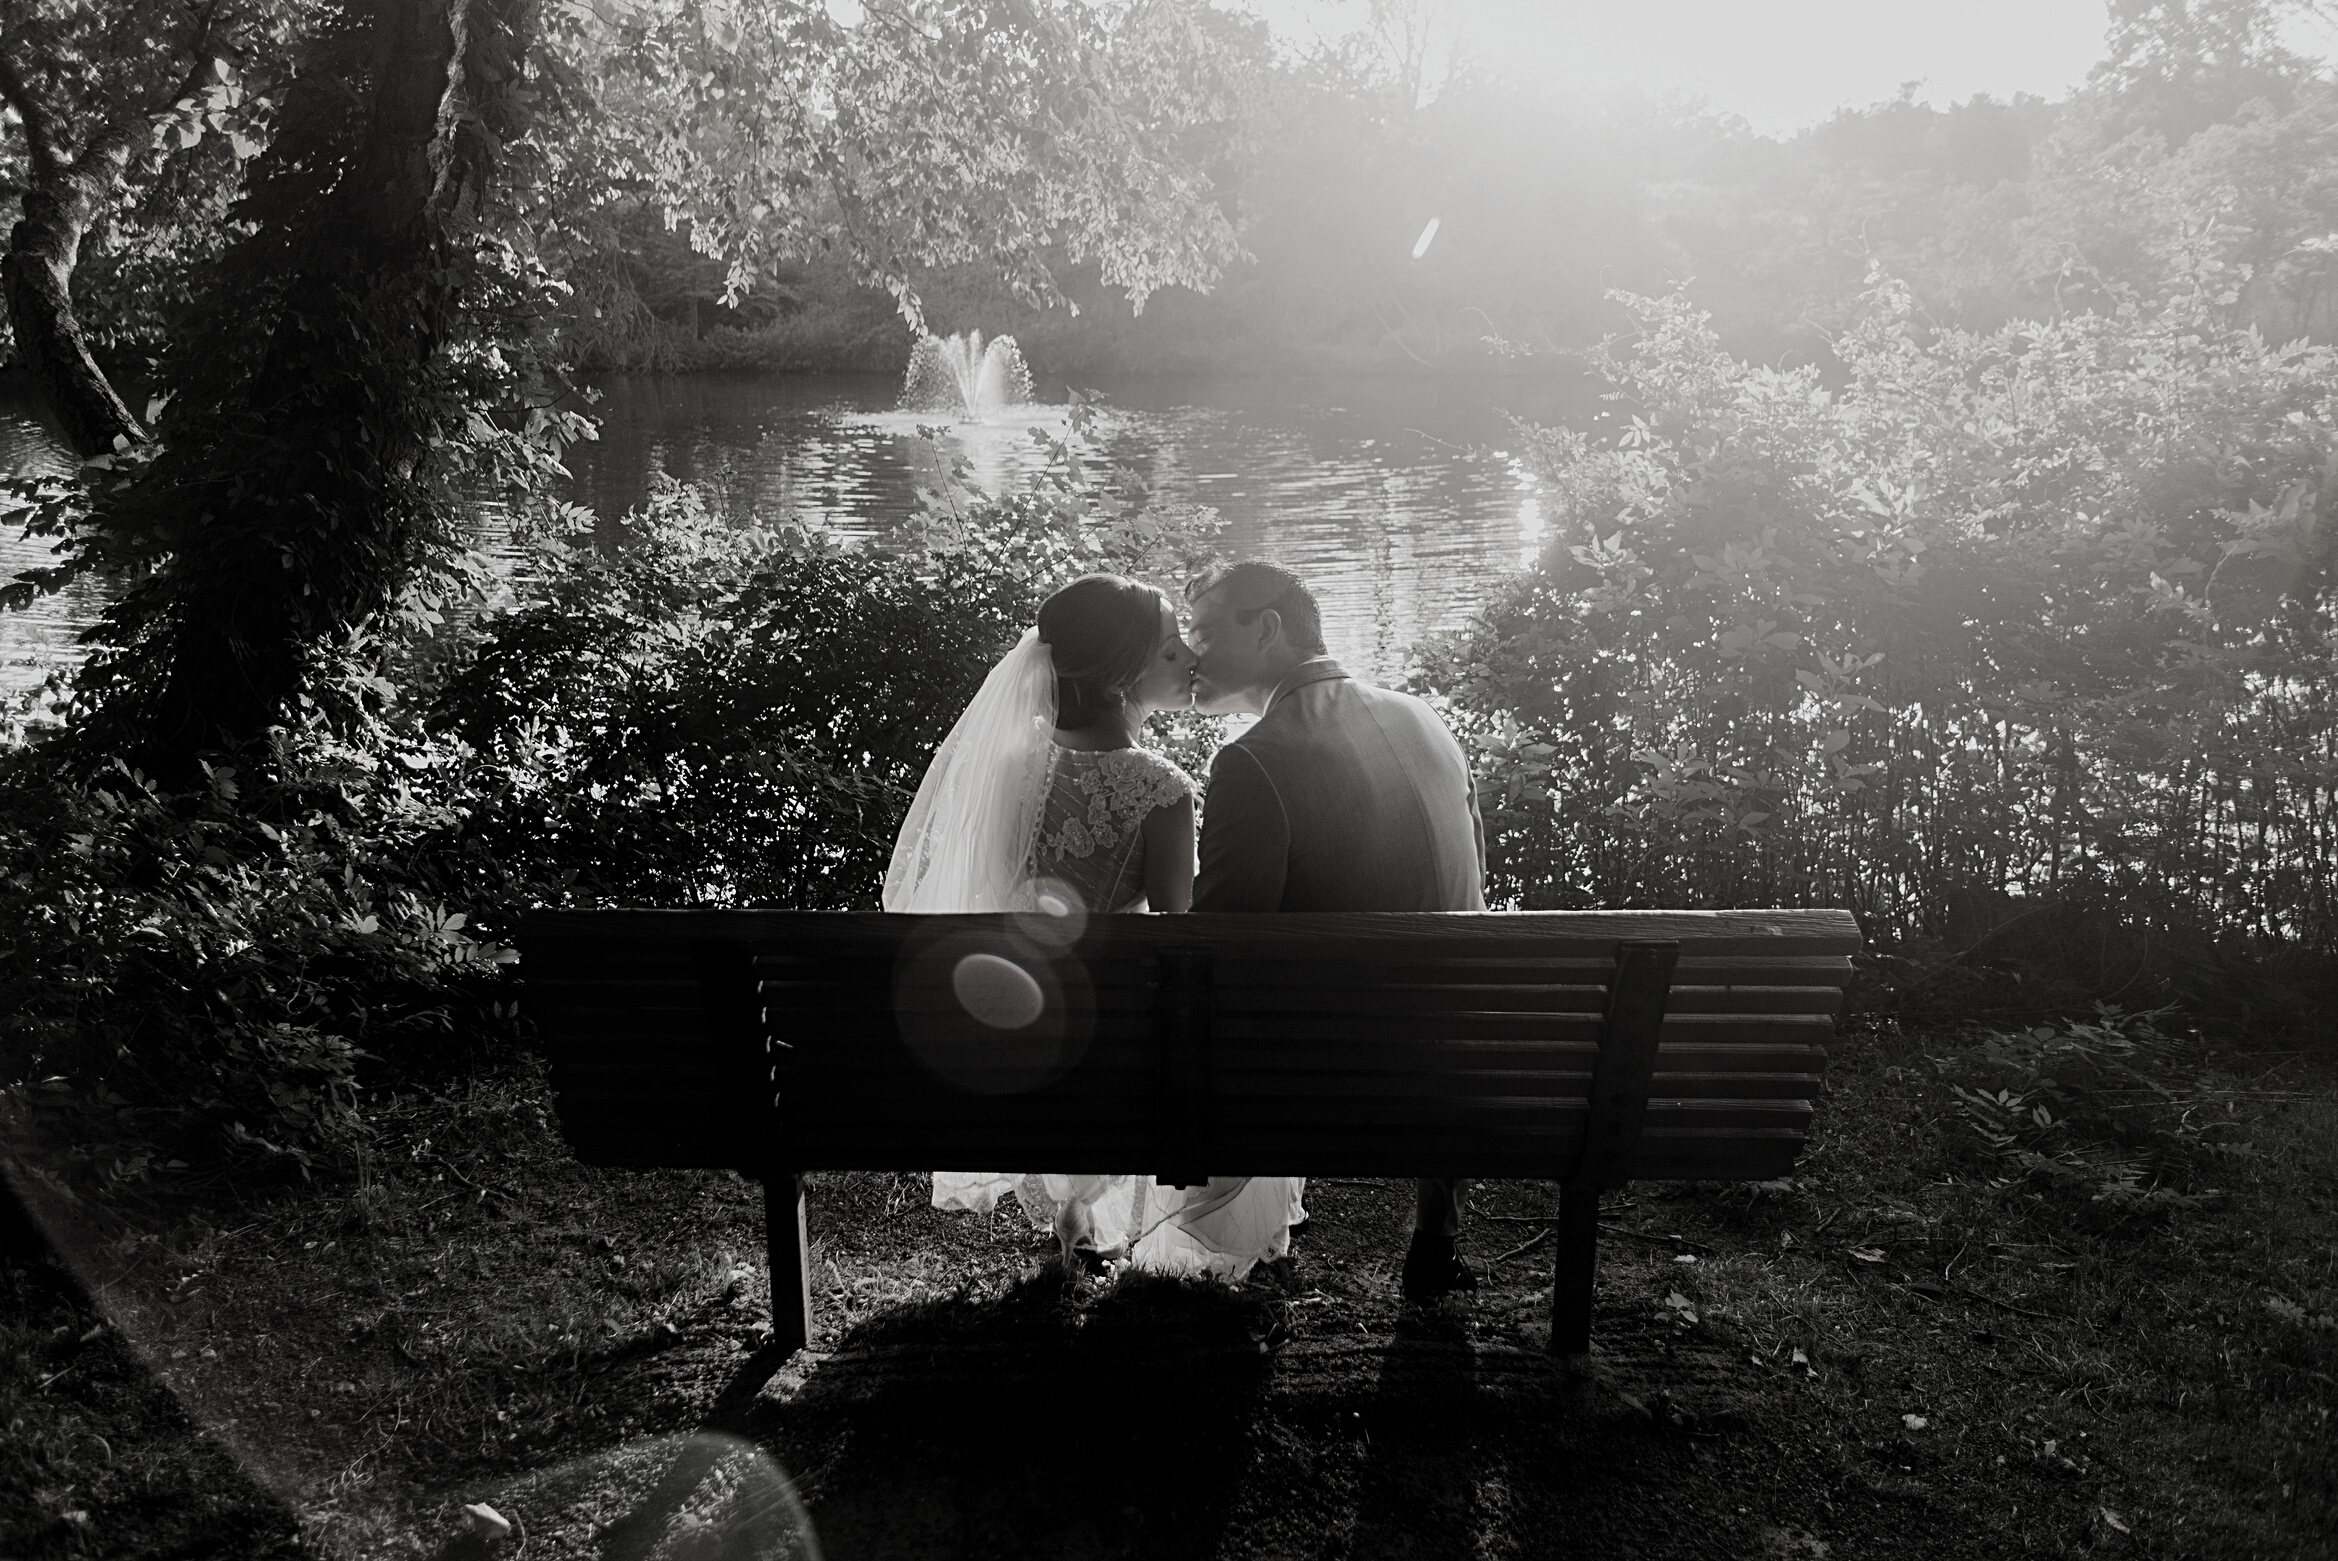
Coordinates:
[1343,797]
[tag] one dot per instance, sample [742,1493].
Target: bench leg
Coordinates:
[1572,1270]
[791,1260]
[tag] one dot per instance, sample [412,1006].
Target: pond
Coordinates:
[1394,498]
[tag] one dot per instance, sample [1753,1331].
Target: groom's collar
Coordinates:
[1318,669]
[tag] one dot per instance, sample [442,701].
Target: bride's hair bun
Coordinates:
[1101,630]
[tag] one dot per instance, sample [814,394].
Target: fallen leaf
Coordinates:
[2290,1312]
[1792,1544]
[2114,1520]
[486,1522]
[1868,1254]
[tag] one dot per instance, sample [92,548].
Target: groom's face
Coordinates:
[1227,655]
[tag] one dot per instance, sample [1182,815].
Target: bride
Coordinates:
[1041,782]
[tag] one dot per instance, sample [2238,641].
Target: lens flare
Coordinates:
[998,992]
[987,1009]
[1057,916]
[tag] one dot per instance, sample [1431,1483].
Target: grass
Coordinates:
[2172,1365]
[1904,1349]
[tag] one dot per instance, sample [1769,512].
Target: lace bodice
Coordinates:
[1091,828]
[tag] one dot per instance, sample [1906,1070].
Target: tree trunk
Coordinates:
[37,276]
[321,538]
[37,273]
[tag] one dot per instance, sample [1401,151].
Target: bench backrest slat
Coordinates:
[1356,1045]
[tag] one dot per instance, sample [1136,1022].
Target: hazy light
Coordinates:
[1428,236]
[1782,67]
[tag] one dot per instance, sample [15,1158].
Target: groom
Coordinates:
[1343,797]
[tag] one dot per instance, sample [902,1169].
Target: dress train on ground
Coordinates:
[1221,1229]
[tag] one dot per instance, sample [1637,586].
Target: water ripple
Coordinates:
[1392,498]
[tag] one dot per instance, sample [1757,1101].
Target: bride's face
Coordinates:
[1168,680]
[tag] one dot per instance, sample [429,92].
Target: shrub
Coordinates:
[198,977]
[2042,612]
[2114,1109]
[701,715]
[708,716]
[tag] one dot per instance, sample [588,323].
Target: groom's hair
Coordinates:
[1254,585]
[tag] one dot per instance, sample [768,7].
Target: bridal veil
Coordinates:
[966,842]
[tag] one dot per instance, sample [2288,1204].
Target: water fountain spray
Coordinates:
[967,376]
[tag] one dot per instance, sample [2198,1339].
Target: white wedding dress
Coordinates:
[1001,791]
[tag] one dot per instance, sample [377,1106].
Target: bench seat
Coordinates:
[1587,1048]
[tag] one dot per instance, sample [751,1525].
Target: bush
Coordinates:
[701,716]
[2115,1109]
[2043,613]
[198,978]
[710,717]
[716,717]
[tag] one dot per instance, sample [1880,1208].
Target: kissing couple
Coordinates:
[1340,797]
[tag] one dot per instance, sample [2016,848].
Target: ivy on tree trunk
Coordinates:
[307,478]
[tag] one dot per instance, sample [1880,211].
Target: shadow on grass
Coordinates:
[1147,1420]
[1418,1491]
[1028,1423]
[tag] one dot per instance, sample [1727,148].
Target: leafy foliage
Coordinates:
[688,714]
[2198,122]
[2042,611]
[2106,1108]
[200,976]
[130,127]
[708,717]
[929,133]
[700,186]
[714,716]
[380,366]
[141,266]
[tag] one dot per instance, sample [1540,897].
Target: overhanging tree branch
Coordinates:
[75,174]
[40,138]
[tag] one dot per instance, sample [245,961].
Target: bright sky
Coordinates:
[1780,64]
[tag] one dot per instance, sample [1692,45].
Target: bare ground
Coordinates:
[1888,1355]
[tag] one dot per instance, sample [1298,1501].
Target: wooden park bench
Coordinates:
[1587,1048]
